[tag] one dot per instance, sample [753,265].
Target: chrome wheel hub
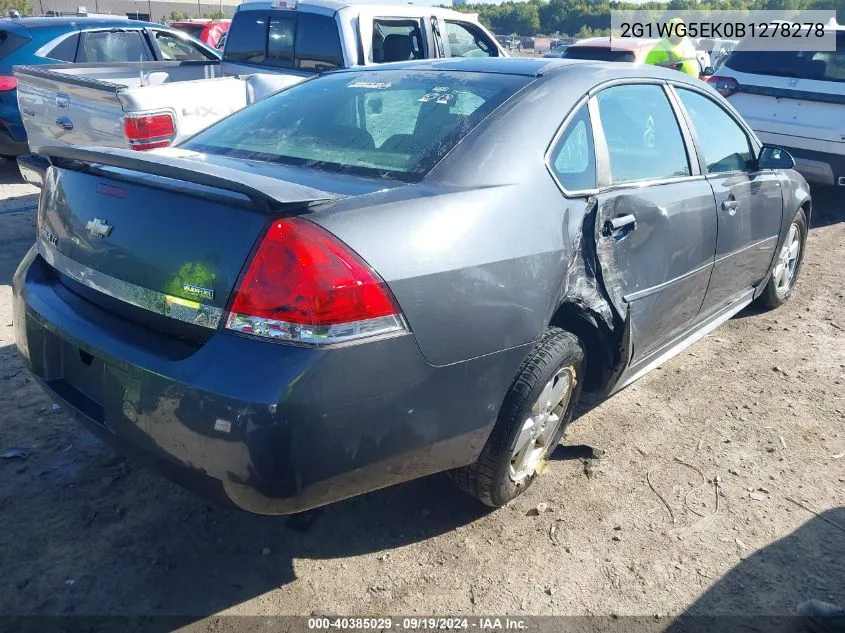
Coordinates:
[541,426]
[787,262]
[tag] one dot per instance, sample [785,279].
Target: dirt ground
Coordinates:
[755,413]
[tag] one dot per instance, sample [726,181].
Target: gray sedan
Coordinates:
[385,273]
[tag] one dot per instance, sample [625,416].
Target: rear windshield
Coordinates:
[598,53]
[287,39]
[10,42]
[193,31]
[392,124]
[820,65]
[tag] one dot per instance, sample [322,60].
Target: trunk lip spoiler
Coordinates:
[265,191]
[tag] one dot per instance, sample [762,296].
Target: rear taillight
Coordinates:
[149,131]
[8,82]
[725,86]
[304,285]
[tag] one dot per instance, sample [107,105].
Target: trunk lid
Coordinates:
[160,234]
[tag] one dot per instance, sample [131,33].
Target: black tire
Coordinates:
[773,297]
[489,479]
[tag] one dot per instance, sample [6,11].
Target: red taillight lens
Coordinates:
[304,285]
[8,82]
[149,131]
[725,86]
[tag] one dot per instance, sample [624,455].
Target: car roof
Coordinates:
[74,22]
[586,72]
[618,43]
[336,5]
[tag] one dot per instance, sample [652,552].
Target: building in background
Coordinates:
[151,10]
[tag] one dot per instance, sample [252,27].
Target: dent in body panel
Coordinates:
[656,271]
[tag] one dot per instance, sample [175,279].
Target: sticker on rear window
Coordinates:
[371,85]
[443,98]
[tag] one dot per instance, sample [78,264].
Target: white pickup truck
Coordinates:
[270,45]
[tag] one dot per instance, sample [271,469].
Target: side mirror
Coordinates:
[709,71]
[774,158]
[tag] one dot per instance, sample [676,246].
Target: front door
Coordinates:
[748,201]
[656,220]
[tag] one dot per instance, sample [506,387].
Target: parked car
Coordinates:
[348,284]
[795,99]
[211,32]
[154,104]
[43,41]
[606,49]
[557,51]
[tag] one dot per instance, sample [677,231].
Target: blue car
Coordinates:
[79,40]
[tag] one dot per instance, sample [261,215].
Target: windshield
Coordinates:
[820,65]
[394,124]
[598,53]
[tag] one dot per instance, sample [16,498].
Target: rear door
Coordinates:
[748,201]
[656,218]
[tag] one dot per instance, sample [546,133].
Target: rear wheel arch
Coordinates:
[601,345]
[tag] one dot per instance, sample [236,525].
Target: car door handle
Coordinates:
[615,225]
[730,206]
[64,123]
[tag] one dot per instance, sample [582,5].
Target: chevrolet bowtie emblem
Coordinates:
[98,228]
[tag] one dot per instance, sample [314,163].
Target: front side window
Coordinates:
[644,141]
[112,46]
[727,150]
[573,159]
[467,40]
[396,124]
[174,48]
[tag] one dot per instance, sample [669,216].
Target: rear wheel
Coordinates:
[787,265]
[533,417]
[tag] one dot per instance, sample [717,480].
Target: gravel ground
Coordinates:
[720,488]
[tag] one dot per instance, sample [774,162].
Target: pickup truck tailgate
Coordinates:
[81,105]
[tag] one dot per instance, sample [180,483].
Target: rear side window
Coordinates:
[819,65]
[11,41]
[644,141]
[66,49]
[573,159]
[598,53]
[723,152]
[308,41]
[112,46]
[396,40]
[392,124]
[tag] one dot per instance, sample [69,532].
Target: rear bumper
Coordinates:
[270,428]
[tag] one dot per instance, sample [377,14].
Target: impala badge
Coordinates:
[98,228]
